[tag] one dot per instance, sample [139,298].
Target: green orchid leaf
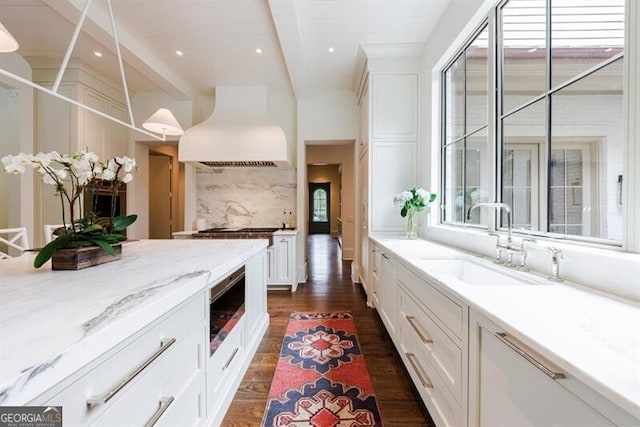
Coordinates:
[104,245]
[403,211]
[46,253]
[432,197]
[92,228]
[122,222]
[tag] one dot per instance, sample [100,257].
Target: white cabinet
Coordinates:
[389,95]
[364,119]
[166,372]
[393,169]
[394,114]
[161,361]
[386,286]
[432,342]
[282,260]
[228,364]
[374,275]
[512,384]
[390,106]
[270,265]
[255,293]
[363,218]
[104,137]
[65,128]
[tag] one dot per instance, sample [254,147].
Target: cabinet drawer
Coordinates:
[222,364]
[107,376]
[447,311]
[188,409]
[163,386]
[442,407]
[430,340]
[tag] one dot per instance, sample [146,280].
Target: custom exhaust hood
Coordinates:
[240,132]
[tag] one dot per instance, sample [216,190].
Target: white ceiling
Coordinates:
[219,39]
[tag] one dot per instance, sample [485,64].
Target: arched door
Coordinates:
[319,208]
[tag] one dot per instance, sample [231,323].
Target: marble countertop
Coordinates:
[592,336]
[54,322]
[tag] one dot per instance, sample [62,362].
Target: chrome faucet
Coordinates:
[498,206]
[556,255]
[509,247]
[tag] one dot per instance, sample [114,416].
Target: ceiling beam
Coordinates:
[285,19]
[134,53]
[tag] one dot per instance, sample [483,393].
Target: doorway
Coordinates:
[160,197]
[319,207]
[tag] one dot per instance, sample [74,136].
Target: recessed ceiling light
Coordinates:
[608,49]
[179,52]
[258,51]
[98,54]
[532,50]
[331,49]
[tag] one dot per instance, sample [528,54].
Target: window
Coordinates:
[466,150]
[558,121]
[320,206]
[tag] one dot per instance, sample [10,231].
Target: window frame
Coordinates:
[461,52]
[488,16]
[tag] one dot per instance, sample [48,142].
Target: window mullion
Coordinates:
[464,140]
[545,197]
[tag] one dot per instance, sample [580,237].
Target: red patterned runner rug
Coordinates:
[321,379]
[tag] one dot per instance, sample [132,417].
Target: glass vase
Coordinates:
[412,224]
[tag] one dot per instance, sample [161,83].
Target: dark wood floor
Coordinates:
[329,287]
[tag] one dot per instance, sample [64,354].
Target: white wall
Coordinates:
[16,135]
[343,155]
[322,116]
[143,106]
[326,115]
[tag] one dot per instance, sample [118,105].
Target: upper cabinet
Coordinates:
[393,145]
[389,99]
[395,106]
[63,127]
[66,128]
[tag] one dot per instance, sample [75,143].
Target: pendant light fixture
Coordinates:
[7,42]
[163,122]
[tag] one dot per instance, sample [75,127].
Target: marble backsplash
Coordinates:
[246,197]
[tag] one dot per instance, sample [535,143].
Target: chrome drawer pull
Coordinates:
[165,402]
[414,324]
[101,400]
[549,369]
[226,365]
[426,382]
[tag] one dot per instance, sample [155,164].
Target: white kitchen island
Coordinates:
[76,338]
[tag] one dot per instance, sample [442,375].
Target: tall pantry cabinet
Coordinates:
[389,107]
[65,128]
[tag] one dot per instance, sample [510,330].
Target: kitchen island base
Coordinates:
[152,359]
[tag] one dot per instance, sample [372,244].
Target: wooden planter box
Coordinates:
[79,258]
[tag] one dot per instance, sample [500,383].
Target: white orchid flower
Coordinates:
[108,175]
[129,164]
[48,179]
